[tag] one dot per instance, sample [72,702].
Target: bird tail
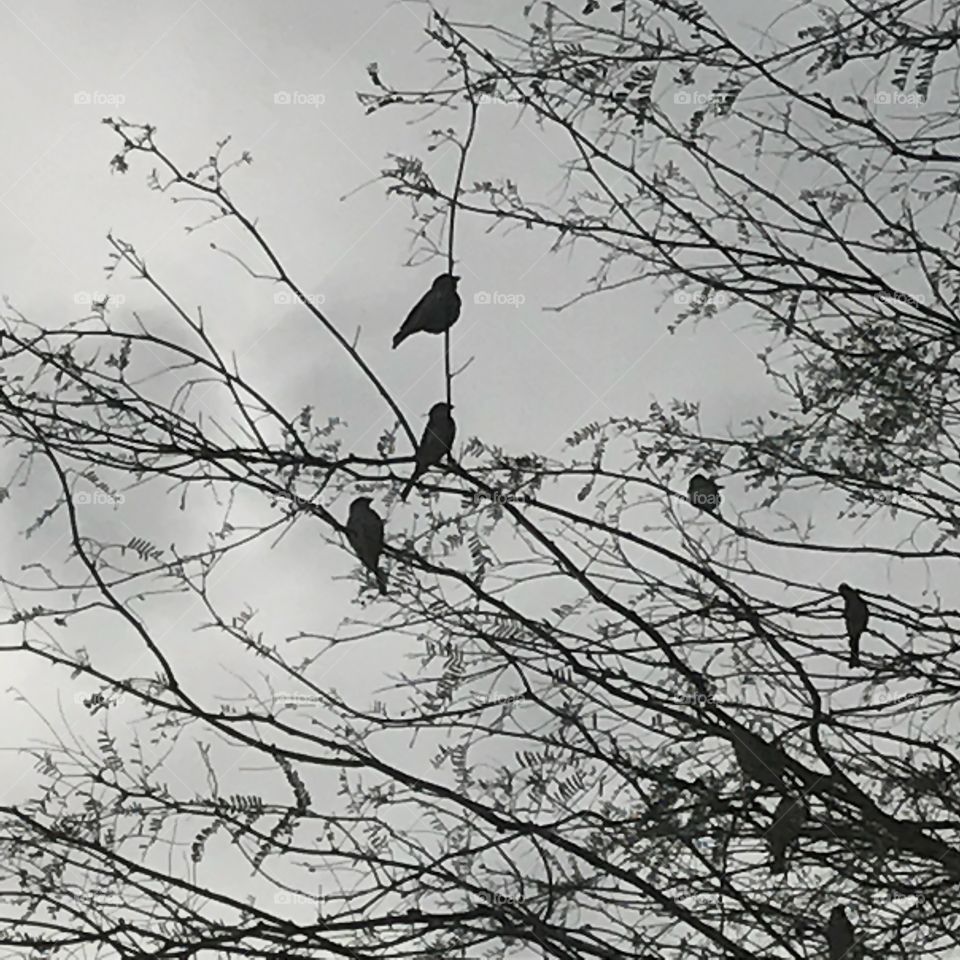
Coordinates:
[381,580]
[855,654]
[398,338]
[779,862]
[414,477]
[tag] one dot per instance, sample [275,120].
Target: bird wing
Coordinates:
[433,445]
[365,534]
[454,308]
[416,316]
[373,530]
[856,616]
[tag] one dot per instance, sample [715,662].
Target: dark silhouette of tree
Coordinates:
[614,715]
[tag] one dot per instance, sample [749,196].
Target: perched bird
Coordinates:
[704,493]
[434,445]
[436,311]
[365,534]
[759,760]
[788,820]
[856,614]
[840,936]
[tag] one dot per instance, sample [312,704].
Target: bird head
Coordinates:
[441,409]
[844,589]
[446,281]
[360,503]
[700,480]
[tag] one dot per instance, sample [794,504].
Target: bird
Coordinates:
[856,614]
[758,760]
[365,535]
[434,445]
[840,936]
[704,493]
[436,311]
[788,821]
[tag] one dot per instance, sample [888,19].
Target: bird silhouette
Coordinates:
[788,820]
[365,535]
[758,760]
[704,493]
[436,311]
[840,936]
[434,445]
[856,614]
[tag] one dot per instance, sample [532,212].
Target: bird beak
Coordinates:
[456,277]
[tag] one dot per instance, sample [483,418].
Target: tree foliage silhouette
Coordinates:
[614,718]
